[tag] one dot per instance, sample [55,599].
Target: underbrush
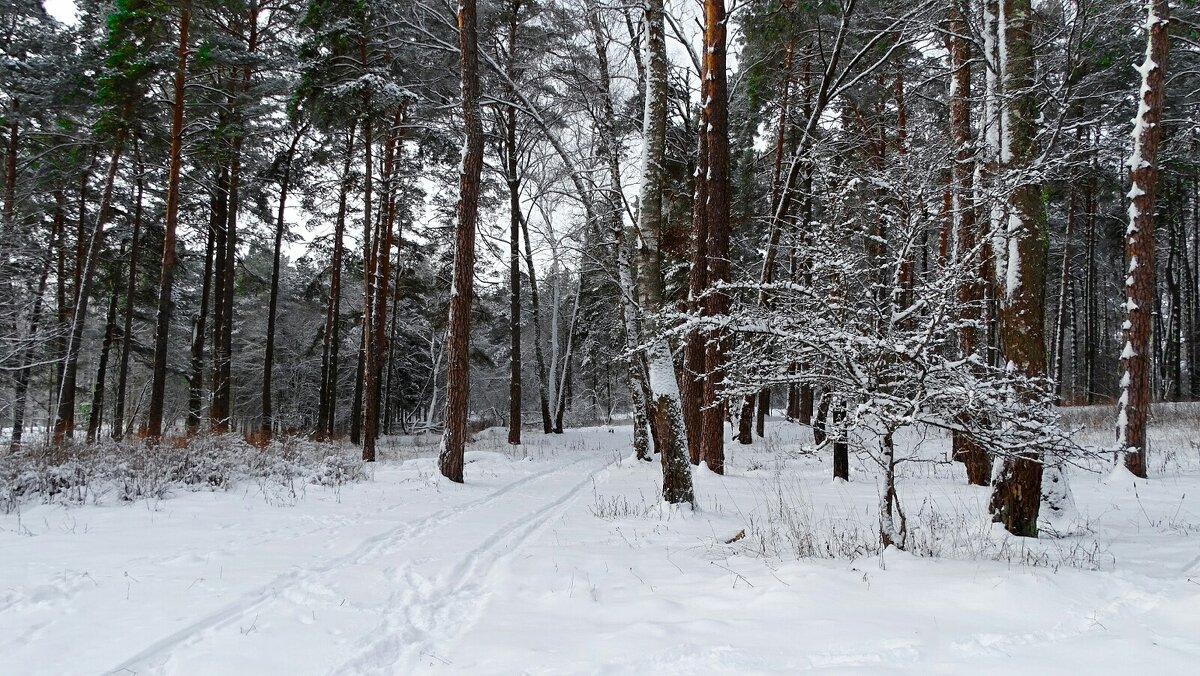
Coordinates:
[128,471]
[785,526]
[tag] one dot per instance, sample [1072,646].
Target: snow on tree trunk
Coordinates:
[667,409]
[715,126]
[1133,406]
[962,211]
[1016,493]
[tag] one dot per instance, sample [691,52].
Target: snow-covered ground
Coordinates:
[557,558]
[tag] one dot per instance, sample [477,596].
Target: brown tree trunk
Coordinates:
[965,449]
[692,389]
[1133,407]
[221,407]
[154,418]
[379,293]
[714,126]
[745,435]
[450,461]
[370,244]
[1016,493]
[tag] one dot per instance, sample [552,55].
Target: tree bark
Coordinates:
[514,228]
[379,293]
[154,418]
[450,461]
[1016,492]
[715,125]
[970,295]
[539,356]
[1133,407]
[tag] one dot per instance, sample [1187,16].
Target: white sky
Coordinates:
[63,10]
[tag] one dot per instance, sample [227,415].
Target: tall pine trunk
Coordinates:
[1022,256]
[199,324]
[664,388]
[1133,407]
[154,419]
[715,125]
[450,461]
[379,293]
[970,295]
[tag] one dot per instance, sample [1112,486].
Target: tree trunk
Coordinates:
[21,381]
[714,123]
[331,340]
[514,242]
[1133,407]
[96,415]
[627,287]
[745,435]
[221,407]
[692,390]
[379,293]
[135,247]
[267,424]
[64,422]
[450,461]
[841,446]
[154,418]
[1021,277]
[539,356]
[369,262]
[965,449]
[199,322]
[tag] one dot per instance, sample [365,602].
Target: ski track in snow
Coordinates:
[155,657]
[423,614]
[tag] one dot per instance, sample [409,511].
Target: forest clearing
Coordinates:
[557,557]
[585,336]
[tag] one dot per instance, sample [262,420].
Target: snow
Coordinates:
[558,557]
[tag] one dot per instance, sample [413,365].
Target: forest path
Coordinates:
[395,596]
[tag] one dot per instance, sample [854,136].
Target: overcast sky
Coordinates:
[63,10]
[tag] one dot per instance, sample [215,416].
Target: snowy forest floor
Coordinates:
[557,557]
